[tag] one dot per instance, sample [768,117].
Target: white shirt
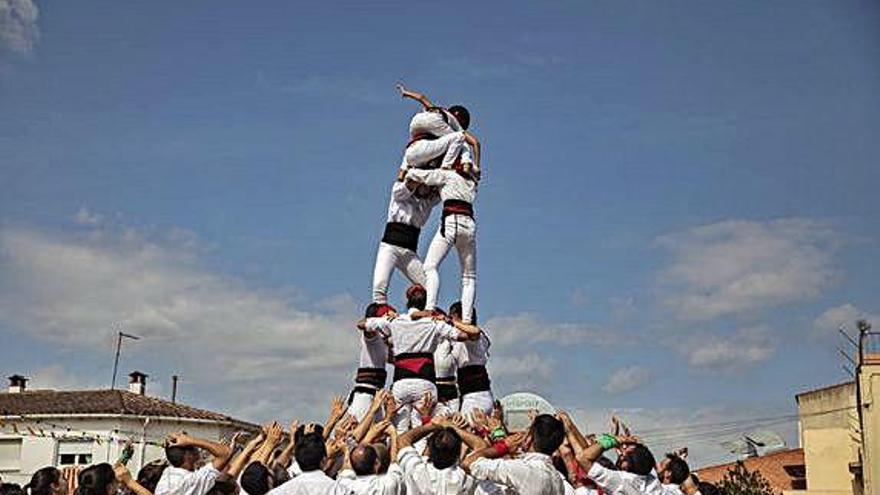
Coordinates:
[408,336]
[672,489]
[390,483]
[624,483]
[444,359]
[374,351]
[452,185]
[422,478]
[472,352]
[311,483]
[405,207]
[179,481]
[529,474]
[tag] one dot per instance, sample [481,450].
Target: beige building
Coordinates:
[839,429]
[41,428]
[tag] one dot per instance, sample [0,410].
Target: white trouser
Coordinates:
[483,401]
[410,392]
[360,405]
[461,232]
[388,258]
[446,407]
[450,146]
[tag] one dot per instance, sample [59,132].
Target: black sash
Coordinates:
[473,378]
[415,365]
[401,235]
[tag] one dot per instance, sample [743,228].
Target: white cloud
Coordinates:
[214,329]
[738,267]
[843,316]
[18,26]
[626,380]
[526,329]
[85,217]
[746,347]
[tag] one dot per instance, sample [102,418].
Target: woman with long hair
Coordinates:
[46,481]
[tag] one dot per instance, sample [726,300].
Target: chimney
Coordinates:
[17,384]
[138,383]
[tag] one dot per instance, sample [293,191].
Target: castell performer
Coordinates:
[458,190]
[408,210]
[471,356]
[371,374]
[413,338]
[437,136]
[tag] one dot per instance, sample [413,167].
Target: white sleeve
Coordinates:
[390,483]
[434,177]
[400,192]
[197,482]
[501,471]
[380,325]
[446,331]
[609,481]
[415,468]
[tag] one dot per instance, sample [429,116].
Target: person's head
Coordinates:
[605,463]
[673,470]
[416,297]
[364,460]
[444,448]
[256,479]
[11,489]
[455,312]
[707,488]
[98,479]
[224,485]
[46,481]
[310,451]
[150,474]
[375,310]
[547,434]
[184,457]
[636,459]
[384,457]
[461,114]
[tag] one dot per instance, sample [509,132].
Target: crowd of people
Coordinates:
[438,428]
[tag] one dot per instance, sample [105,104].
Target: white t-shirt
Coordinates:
[529,474]
[405,207]
[179,481]
[621,482]
[390,483]
[444,359]
[473,352]
[413,336]
[422,478]
[452,185]
[311,483]
[374,351]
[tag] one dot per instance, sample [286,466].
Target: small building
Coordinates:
[65,428]
[784,469]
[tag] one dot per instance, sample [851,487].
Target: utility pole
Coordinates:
[120,336]
[174,379]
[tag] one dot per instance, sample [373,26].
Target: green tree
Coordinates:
[740,481]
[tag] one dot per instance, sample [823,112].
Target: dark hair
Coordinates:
[150,474]
[444,448]
[384,456]
[416,299]
[605,463]
[461,114]
[94,480]
[363,460]
[255,479]
[547,434]
[639,460]
[677,468]
[223,485]
[11,489]
[176,454]
[310,452]
[301,431]
[559,464]
[42,481]
[707,488]
[455,309]
[372,309]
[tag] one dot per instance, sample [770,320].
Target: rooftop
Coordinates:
[784,469]
[98,402]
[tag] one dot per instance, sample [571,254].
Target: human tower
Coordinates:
[439,357]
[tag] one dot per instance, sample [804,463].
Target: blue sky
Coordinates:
[677,211]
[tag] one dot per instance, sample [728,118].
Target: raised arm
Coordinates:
[414,435]
[361,430]
[475,144]
[574,435]
[337,411]
[273,434]
[123,476]
[500,449]
[287,454]
[220,451]
[470,332]
[243,458]
[415,95]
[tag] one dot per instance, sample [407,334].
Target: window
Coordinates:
[10,453]
[74,453]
